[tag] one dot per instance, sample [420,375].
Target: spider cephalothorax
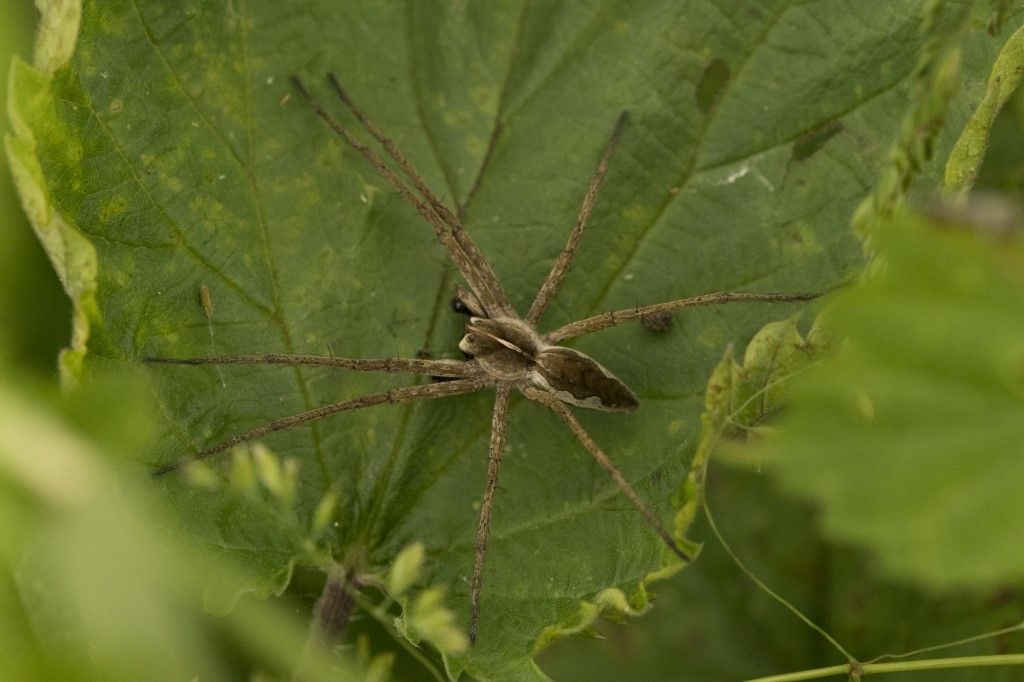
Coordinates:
[506,351]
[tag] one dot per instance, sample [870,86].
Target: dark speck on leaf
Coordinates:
[712,84]
[657,322]
[807,144]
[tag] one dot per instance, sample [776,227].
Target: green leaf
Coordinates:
[225,218]
[1003,169]
[911,439]
[71,254]
[742,630]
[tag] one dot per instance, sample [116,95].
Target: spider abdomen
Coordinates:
[578,379]
[510,350]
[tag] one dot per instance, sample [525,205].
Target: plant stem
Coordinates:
[902,666]
[769,591]
[333,609]
[378,613]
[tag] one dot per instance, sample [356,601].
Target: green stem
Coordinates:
[959,642]
[775,595]
[903,666]
[367,606]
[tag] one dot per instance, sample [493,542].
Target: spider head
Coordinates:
[505,347]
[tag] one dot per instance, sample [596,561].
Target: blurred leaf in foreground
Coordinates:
[90,585]
[912,439]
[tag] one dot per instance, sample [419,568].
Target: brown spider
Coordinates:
[506,351]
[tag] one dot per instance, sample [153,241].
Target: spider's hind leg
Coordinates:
[602,459]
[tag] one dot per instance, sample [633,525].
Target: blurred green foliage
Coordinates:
[910,443]
[713,622]
[95,583]
[919,418]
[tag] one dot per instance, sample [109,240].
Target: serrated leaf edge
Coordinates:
[965,160]
[57,34]
[72,255]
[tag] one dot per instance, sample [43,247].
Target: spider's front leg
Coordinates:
[614,317]
[461,248]
[467,377]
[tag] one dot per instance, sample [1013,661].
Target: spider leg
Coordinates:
[562,411]
[558,270]
[441,368]
[469,247]
[481,281]
[499,420]
[610,319]
[442,390]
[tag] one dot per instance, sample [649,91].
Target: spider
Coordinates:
[505,351]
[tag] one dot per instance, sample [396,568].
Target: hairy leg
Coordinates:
[440,368]
[559,408]
[492,296]
[395,395]
[558,270]
[499,420]
[462,238]
[610,319]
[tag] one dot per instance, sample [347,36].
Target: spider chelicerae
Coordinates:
[505,351]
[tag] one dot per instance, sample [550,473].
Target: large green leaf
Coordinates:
[172,142]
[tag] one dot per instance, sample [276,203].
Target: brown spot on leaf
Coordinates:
[807,144]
